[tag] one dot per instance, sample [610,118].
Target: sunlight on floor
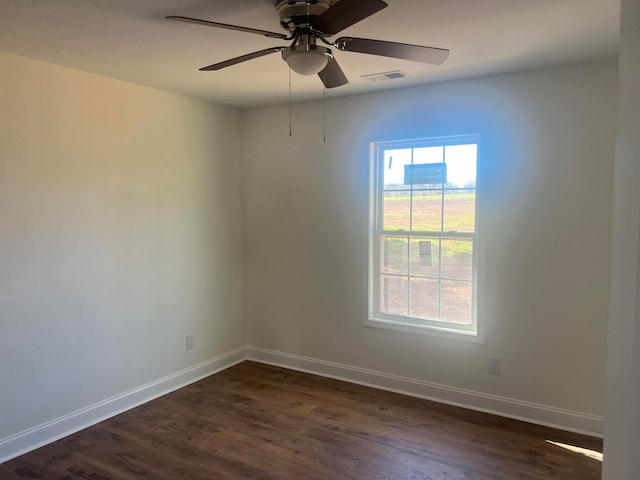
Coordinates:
[584,451]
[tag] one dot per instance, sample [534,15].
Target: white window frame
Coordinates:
[375,318]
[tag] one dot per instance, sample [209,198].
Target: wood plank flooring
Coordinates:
[259,422]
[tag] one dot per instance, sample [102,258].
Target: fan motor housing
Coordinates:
[296,14]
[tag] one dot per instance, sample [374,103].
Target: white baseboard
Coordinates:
[568,420]
[28,440]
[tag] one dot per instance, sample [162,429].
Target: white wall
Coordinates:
[545,213]
[120,233]
[622,429]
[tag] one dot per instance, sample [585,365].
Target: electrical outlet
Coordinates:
[493,366]
[191,344]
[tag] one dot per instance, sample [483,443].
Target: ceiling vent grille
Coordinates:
[384,76]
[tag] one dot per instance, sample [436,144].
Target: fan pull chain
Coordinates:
[324,115]
[290,123]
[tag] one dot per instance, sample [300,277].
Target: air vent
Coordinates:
[380,77]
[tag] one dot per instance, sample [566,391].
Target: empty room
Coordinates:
[328,239]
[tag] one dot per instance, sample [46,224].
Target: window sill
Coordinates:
[429,330]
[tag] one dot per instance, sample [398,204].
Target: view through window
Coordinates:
[423,268]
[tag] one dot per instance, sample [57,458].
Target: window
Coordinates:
[423,239]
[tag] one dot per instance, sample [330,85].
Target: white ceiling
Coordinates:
[131,40]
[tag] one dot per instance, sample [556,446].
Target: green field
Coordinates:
[456,212]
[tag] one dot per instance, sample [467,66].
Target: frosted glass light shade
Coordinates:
[307,59]
[307,62]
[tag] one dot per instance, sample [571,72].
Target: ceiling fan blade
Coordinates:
[332,75]
[404,51]
[344,14]
[207,23]
[242,58]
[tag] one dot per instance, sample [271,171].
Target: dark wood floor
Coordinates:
[254,421]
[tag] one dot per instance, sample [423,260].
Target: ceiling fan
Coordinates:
[310,22]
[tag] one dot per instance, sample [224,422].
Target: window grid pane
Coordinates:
[394,298]
[425,298]
[424,256]
[427,212]
[459,210]
[457,258]
[397,210]
[456,301]
[395,255]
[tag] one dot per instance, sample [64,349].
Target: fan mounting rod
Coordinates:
[298,14]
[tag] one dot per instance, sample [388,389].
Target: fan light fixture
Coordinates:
[307,59]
